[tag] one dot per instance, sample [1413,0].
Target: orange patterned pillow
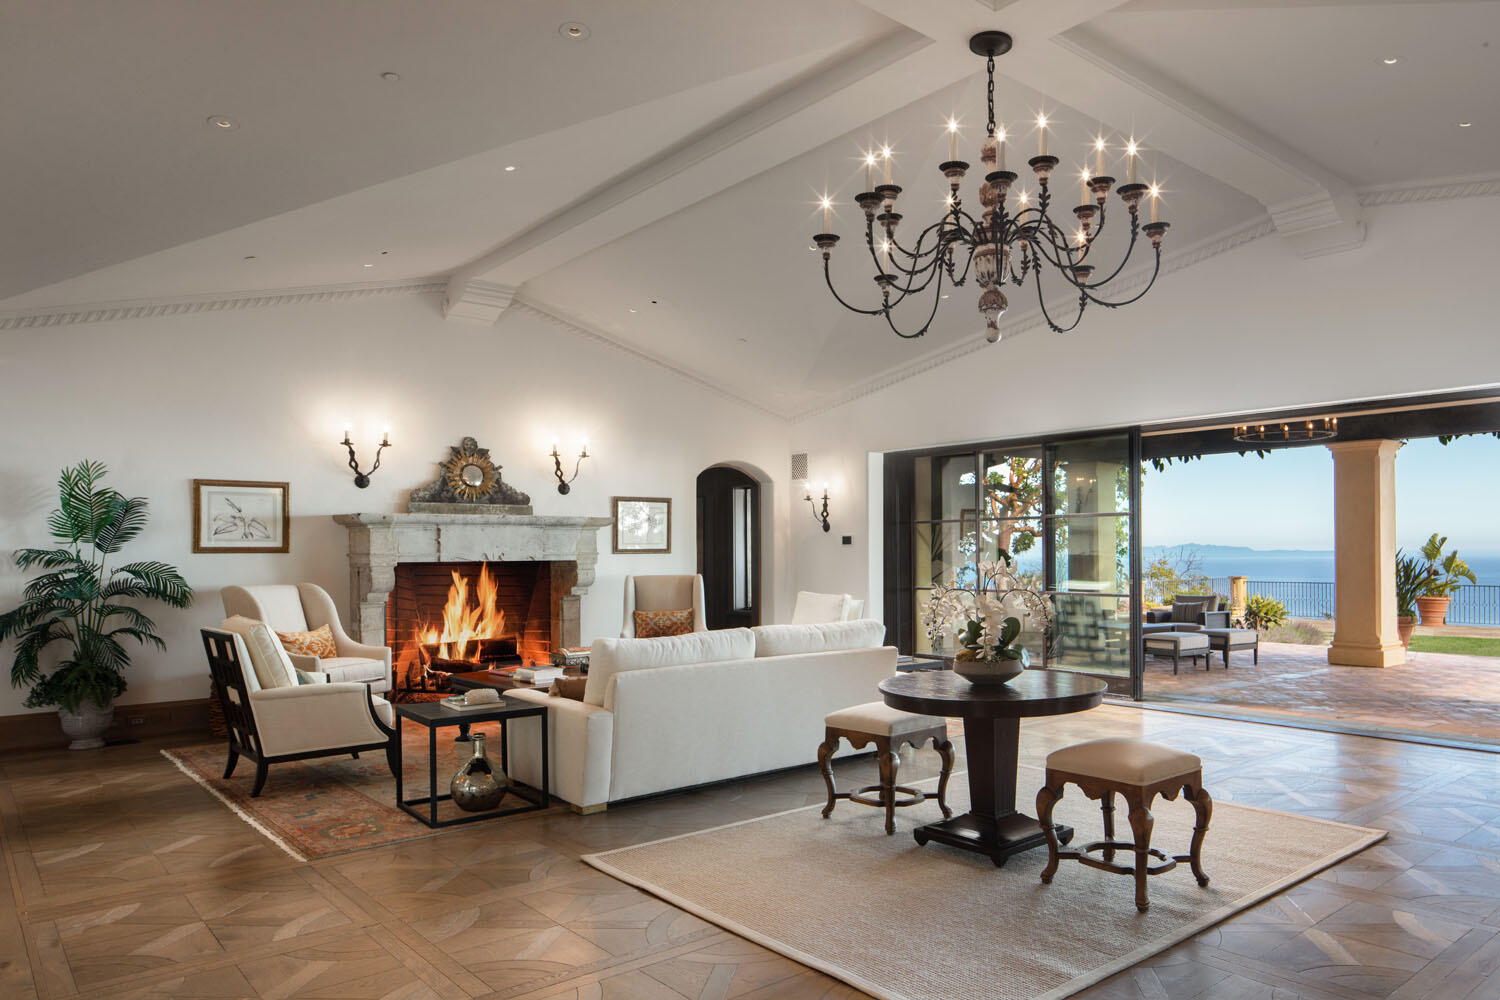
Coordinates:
[655,624]
[318,642]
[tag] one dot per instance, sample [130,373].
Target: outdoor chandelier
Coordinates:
[1001,243]
[1288,433]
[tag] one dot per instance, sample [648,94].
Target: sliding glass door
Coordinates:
[1065,513]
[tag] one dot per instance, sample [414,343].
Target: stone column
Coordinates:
[1239,596]
[1364,499]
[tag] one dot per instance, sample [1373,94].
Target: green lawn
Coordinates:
[1465,644]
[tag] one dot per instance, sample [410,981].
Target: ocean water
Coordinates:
[1315,566]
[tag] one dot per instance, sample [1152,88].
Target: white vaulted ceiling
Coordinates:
[675,154]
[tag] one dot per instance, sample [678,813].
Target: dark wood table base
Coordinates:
[996,838]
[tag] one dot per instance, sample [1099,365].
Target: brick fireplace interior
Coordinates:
[444,618]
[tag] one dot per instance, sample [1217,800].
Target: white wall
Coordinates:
[263,394]
[1254,328]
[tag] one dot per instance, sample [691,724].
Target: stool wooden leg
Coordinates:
[1141,822]
[1107,807]
[1203,811]
[825,764]
[1045,800]
[945,750]
[890,763]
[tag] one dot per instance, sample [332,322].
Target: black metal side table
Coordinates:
[434,716]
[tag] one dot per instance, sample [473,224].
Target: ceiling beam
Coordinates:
[1057,54]
[879,78]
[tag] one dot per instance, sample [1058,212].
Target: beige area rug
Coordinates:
[903,922]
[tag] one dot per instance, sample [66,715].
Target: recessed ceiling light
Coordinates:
[632,310]
[219,121]
[390,77]
[510,169]
[369,265]
[1391,60]
[575,30]
[1465,124]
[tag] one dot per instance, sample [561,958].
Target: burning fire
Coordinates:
[464,625]
[460,633]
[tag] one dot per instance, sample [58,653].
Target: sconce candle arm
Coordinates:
[565,485]
[362,479]
[820,517]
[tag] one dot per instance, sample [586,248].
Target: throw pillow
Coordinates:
[1188,610]
[268,660]
[568,687]
[318,642]
[657,624]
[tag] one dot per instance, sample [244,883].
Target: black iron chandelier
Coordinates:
[1003,243]
[1306,432]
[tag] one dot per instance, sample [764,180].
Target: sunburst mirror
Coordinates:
[470,474]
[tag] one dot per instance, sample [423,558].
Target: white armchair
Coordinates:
[663,593]
[305,606]
[294,721]
[813,609]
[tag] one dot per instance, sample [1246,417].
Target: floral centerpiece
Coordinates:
[986,621]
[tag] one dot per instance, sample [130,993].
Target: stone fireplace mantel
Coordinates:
[377,542]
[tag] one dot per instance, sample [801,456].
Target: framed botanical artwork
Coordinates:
[234,516]
[642,524]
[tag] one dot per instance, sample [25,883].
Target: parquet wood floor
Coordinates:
[126,880]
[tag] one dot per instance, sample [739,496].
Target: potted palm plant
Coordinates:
[77,601]
[1442,575]
[1409,580]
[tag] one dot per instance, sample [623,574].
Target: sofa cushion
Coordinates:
[811,608]
[318,642]
[1187,609]
[656,624]
[273,668]
[281,603]
[569,687]
[610,656]
[823,637]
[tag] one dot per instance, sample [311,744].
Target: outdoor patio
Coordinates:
[1434,693]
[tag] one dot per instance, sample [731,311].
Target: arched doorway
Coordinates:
[729,547]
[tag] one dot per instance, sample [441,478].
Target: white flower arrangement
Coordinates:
[986,620]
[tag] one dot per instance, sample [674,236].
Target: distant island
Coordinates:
[1150,552]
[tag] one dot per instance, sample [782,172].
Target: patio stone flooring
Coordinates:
[1432,693]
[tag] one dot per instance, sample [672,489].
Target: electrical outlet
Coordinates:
[848,539]
[137,720]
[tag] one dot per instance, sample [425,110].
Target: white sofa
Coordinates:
[813,607]
[661,714]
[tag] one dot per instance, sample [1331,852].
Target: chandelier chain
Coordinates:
[989,68]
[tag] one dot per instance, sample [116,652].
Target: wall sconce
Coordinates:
[564,485]
[362,479]
[821,518]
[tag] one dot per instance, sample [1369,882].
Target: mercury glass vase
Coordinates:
[478,785]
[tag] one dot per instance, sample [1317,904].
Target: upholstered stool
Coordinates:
[887,728]
[1139,771]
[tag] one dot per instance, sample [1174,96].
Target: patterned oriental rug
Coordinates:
[903,922]
[335,805]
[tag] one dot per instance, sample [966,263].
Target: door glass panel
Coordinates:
[1091,554]
[1013,492]
[1091,634]
[944,553]
[1091,477]
[946,488]
[1023,540]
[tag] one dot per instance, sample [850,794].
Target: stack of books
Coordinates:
[538,675]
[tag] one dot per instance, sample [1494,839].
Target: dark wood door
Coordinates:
[729,547]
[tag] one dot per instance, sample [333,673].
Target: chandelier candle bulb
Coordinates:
[827,214]
[1130,151]
[1041,135]
[1000,149]
[885,152]
[869,171]
[952,138]
[1155,196]
[1099,157]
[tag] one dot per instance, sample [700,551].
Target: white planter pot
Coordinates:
[87,726]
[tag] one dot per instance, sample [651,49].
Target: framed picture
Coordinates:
[234,516]
[642,524]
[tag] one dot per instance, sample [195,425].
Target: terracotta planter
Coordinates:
[87,726]
[1405,626]
[1434,610]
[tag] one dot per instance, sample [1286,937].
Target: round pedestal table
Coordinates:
[992,717]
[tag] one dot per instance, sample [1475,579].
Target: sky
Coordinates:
[1285,501]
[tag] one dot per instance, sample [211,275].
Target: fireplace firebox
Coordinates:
[444,618]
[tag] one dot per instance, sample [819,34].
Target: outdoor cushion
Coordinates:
[1187,609]
[1235,636]
[1181,641]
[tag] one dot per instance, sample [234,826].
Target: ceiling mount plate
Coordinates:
[990,43]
